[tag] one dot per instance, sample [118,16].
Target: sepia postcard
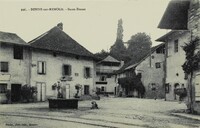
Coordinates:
[99,63]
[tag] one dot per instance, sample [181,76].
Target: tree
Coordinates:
[139,46]
[118,50]
[103,54]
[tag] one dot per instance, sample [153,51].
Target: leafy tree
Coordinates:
[103,54]
[118,50]
[139,46]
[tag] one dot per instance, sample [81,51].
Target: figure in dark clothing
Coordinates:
[94,105]
[140,89]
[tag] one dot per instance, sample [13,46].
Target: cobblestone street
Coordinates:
[112,112]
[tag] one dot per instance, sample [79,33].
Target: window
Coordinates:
[86,90]
[41,67]
[67,70]
[176,46]
[102,78]
[3,88]
[102,89]
[4,66]
[18,52]
[87,72]
[158,65]
[167,88]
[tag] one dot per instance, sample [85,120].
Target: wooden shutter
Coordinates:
[39,67]
[70,70]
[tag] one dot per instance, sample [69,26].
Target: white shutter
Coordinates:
[39,67]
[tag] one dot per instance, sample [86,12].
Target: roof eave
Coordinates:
[175,16]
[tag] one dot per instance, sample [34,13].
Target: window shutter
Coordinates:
[63,70]
[39,67]
[84,72]
[90,73]
[44,67]
[70,70]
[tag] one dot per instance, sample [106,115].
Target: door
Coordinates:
[41,91]
[15,92]
[86,90]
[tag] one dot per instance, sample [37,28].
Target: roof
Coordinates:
[153,49]
[173,32]
[110,59]
[133,64]
[176,15]
[11,38]
[57,40]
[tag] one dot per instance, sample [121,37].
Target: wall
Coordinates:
[175,60]
[152,75]
[54,71]
[18,69]
[194,27]
[111,82]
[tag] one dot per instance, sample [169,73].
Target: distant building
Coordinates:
[151,71]
[56,57]
[105,81]
[175,58]
[14,65]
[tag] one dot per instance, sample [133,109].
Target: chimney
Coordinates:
[60,25]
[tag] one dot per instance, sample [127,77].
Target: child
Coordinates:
[94,105]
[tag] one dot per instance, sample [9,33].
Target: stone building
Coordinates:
[56,57]
[187,17]
[151,70]
[14,65]
[53,58]
[106,82]
[175,58]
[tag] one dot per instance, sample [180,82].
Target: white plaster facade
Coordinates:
[54,69]
[175,60]
[152,76]
[105,81]
[18,69]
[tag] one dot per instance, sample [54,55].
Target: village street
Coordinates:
[112,112]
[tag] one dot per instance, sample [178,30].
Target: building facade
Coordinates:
[14,64]
[58,59]
[151,70]
[51,59]
[105,81]
[187,17]
[175,58]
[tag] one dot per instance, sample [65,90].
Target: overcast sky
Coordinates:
[94,28]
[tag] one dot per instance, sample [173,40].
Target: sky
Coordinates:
[93,25]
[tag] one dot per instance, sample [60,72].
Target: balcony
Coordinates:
[104,71]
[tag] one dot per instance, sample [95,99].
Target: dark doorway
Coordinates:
[86,90]
[15,92]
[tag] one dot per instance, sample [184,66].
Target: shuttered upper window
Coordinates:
[18,52]
[176,46]
[41,67]
[87,72]
[4,66]
[67,70]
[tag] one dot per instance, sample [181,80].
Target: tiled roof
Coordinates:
[110,59]
[176,15]
[133,63]
[57,40]
[11,38]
